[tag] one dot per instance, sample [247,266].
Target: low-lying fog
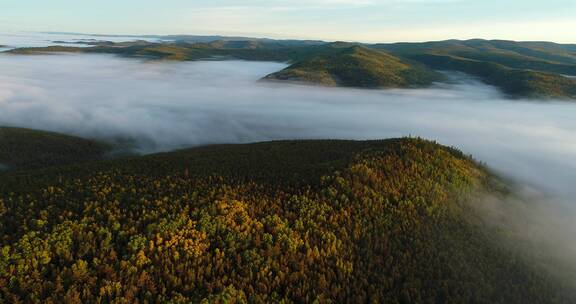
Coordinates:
[169,105]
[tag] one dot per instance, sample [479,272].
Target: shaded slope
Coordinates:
[356,66]
[543,56]
[521,69]
[514,82]
[182,51]
[27,149]
[45,50]
[342,221]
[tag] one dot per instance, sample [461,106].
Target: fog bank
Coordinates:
[169,105]
[537,226]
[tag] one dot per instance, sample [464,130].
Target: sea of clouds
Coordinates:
[170,105]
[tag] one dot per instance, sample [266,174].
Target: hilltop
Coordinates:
[293,221]
[357,66]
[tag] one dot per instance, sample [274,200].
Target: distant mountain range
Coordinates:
[194,38]
[519,69]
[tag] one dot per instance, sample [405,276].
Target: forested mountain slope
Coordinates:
[520,69]
[513,82]
[28,149]
[542,56]
[296,221]
[357,66]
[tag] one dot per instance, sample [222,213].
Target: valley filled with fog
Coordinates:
[162,106]
[155,106]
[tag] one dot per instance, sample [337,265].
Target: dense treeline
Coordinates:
[518,83]
[325,221]
[30,149]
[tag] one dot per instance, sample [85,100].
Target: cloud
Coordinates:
[537,226]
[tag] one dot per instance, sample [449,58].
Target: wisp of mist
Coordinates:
[163,106]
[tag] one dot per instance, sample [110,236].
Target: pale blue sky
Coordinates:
[358,20]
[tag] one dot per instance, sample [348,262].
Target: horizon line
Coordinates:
[282,39]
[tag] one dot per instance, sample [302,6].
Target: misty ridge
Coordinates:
[163,106]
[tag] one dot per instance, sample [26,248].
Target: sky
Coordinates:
[351,20]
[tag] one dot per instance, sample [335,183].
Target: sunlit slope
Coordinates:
[357,66]
[334,221]
[27,149]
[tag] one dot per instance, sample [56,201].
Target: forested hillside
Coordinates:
[357,66]
[294,221]
[28,149]
[541,56]
[514,82]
